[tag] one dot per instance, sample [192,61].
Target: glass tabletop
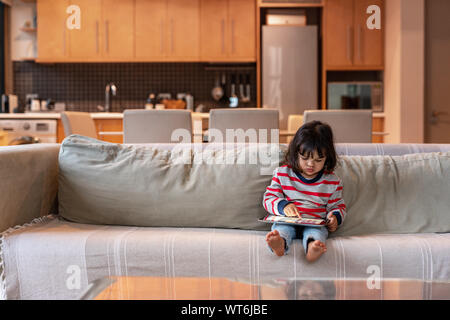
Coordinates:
[194,288]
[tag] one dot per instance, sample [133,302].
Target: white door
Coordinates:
[437,72]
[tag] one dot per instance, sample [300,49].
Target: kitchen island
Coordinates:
[109,125]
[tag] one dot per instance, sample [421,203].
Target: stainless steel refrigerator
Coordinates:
[290,69]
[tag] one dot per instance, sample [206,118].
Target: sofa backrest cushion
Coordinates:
[396,194]
[151,185]
[144,185]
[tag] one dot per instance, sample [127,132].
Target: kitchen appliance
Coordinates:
[356,95]
[44,130]
[217,91]
[290,69]
[9,103]
[286,17]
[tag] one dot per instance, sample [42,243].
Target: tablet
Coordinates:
[270,218]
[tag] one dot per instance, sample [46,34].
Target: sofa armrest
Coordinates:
[28,182]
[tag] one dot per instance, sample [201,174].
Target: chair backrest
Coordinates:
[78,123]
[349,126]
[245,119]
[157,126]
[295,121]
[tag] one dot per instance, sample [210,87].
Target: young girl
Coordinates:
[306,186]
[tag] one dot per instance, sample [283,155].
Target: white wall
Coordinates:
[405,71]
[23,44]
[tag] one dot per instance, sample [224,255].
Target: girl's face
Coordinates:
[311,164]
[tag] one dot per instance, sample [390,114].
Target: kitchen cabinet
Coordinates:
[106,31]
[84,43]
[184,30]
[150,23]
[369,44]
[52,34]
[167,30]
[118,29]
[148,31]
[102,125]
[349,43]
[378,126]
[111,125]
[228,30]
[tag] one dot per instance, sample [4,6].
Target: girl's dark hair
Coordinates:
[312,136]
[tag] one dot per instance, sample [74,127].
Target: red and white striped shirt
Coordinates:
[314,198]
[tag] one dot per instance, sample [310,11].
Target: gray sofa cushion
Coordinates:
[45,260]
[396,194]
[139,185]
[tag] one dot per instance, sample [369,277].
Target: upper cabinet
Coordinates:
[118,29]
[52,34]
[349,43]
[228,30]
[105,33]
[184,30]
[84,43]
[151,21]
[167,30]
[147,31]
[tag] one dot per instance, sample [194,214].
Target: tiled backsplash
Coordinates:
[82,85]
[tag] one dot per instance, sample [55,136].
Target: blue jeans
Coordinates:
[290,232]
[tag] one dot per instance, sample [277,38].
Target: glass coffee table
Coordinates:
[193,288]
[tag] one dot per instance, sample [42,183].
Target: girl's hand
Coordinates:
[332,223]
[291,211]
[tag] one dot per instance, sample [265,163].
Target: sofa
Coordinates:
[93,209]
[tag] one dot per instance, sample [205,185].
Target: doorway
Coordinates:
[437,71]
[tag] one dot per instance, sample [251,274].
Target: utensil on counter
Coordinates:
[174,104]
[217,91]
[224,99]
[245,97]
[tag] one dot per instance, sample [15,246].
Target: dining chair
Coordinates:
[250,120]
[295,121]
[349,126]
[157,126]
[78,123]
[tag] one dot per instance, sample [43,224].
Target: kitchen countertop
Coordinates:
[100,115]
[56,115]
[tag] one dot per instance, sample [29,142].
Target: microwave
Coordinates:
[356,95]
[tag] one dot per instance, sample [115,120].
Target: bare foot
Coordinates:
[315,250]
[276,242]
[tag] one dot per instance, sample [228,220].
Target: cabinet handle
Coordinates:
[223,35]
[232,35]
[162,35]
[171,35]
[107,36]
[349,44]
[359,33]
[64,38]
[97,47]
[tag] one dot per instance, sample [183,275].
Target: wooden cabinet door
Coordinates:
[52,33]
[118,30]
[242,30]
[85,42]
[151,34]
[213,30]
[339,33]
[183,30]
[369,44]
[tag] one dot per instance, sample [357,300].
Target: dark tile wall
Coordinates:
[82,85]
